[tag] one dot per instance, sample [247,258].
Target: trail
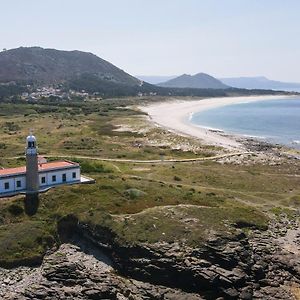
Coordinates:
[254,196]
[154,161]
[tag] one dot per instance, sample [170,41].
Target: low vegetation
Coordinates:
[24,243]
[187,202]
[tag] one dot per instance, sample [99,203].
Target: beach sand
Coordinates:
[174,115]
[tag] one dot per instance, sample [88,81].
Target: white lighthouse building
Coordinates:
[36,177]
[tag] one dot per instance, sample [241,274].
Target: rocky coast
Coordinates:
[93,264]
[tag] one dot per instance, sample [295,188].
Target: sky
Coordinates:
[224,38]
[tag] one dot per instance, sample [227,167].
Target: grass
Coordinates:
[190,224]
[188,202]
[24,241]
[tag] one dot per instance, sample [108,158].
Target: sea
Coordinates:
[275,121]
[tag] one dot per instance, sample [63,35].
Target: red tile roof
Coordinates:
[54,165]
[12,171]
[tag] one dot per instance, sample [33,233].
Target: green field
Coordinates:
[140,202]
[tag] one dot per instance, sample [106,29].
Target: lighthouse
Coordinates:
[32,167]
[38,175]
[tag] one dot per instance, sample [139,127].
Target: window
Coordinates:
[6,185]
[18,183]
[74,175]
[64,177]
[53,178]
[43,179]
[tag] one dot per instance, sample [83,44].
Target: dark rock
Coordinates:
[98,294]
[230,293]
[258,271]
[246,294]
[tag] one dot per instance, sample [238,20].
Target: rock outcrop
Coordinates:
[261,265]
[70,273]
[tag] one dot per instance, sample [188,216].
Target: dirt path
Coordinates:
[154,161]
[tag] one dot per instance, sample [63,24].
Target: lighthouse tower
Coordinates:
[32,174]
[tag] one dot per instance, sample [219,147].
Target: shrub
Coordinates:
[134,193]
[93,167]
[11,126]
[15,209]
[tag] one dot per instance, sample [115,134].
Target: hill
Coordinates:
[260,82]
[154,79]
[199,81]
[77,70]
[36,64]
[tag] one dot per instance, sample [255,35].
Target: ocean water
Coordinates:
[275,121]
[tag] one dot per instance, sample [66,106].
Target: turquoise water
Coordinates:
[276,121]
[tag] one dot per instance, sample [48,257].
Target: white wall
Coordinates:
[12,184]
[23,183]
[58,174]
[13,180]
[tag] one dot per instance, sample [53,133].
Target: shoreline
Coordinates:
[174,115]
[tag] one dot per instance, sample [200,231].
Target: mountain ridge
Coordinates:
[45,65]
[258,82]
[155,79]
[26,68]
[199,80]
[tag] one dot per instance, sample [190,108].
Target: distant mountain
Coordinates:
[199,81]
[35,64]
[154,79]
[259,83]
[79,71]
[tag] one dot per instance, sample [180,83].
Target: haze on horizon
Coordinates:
[229,38]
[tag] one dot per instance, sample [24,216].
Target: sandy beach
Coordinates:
[174,115]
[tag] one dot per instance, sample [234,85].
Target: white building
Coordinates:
[36,176]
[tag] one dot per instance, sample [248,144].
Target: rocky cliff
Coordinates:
[262,265]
